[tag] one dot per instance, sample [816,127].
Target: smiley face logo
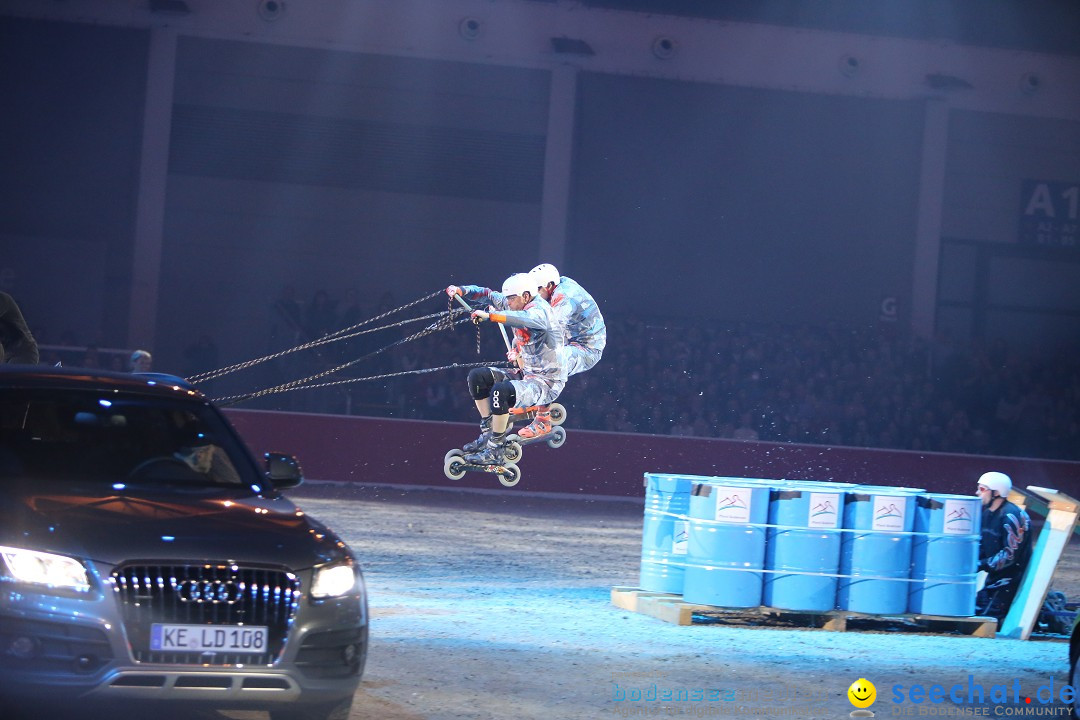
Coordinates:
[862,693]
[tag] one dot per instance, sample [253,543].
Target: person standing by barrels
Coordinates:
[1005,546]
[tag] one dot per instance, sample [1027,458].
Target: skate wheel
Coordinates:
[456,452]
[512,476]
[558,414]
[558,437]
[512,450]
[453,467]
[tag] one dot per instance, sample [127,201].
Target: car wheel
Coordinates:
[325,711]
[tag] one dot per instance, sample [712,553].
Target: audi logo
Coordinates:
[208,591]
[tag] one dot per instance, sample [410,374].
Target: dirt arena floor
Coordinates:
[497,605]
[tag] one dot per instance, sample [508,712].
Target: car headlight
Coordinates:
[41,568]
[333,581]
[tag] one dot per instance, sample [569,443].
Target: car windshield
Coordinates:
[111,437]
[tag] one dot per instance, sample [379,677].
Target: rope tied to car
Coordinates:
[337,335]
[443,321]
[234,399]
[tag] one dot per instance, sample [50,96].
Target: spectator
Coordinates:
[140,361]
[746,430]
[321,316]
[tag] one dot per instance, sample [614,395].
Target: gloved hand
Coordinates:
[453,290]
[479,316]
[512,356]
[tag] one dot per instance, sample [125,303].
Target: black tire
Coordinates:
[313,711]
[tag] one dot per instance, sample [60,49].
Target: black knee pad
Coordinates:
[480,382]
[503,397]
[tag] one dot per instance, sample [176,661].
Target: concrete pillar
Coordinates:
[924,290]
[153,177]
[558,164]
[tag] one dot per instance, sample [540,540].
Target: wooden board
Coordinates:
[673,609]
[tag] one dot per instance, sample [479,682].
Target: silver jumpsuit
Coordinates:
[539,341]
[586,332]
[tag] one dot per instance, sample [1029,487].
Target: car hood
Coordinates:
[200,525]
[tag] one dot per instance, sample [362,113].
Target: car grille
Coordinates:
[206,595]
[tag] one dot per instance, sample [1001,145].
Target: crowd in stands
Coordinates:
[874,387]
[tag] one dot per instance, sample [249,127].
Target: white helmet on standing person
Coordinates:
[518,284]
[544,274]
[997,482]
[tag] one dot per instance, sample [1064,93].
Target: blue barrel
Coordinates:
[726,552]
[945,554]
[664,533]
[875,553]
[802,551]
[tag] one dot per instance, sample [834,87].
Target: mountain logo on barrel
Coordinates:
[732,503]
[959,515]
[958,518]
[891,511]
[823,512]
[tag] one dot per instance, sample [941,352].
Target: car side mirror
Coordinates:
[283,470]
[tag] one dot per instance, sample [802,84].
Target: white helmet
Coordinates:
[519,284]
[997,482]
[544,274]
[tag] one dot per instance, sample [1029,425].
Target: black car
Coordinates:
[145,556]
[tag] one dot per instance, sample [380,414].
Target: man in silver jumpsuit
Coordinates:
[538,351]
[584,327]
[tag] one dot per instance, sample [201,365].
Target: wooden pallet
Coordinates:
[673,609]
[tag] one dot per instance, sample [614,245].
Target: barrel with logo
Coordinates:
[875,553]
[726,551]
[664,533]
[945,554]
[802,549]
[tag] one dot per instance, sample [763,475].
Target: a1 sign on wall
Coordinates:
[1050,214]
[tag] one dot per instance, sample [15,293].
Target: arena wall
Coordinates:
[386,451]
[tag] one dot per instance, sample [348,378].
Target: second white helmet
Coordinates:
[544,274]
[518,284]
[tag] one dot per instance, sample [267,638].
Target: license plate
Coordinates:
[208,638]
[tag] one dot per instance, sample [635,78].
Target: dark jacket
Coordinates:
[1005,546]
